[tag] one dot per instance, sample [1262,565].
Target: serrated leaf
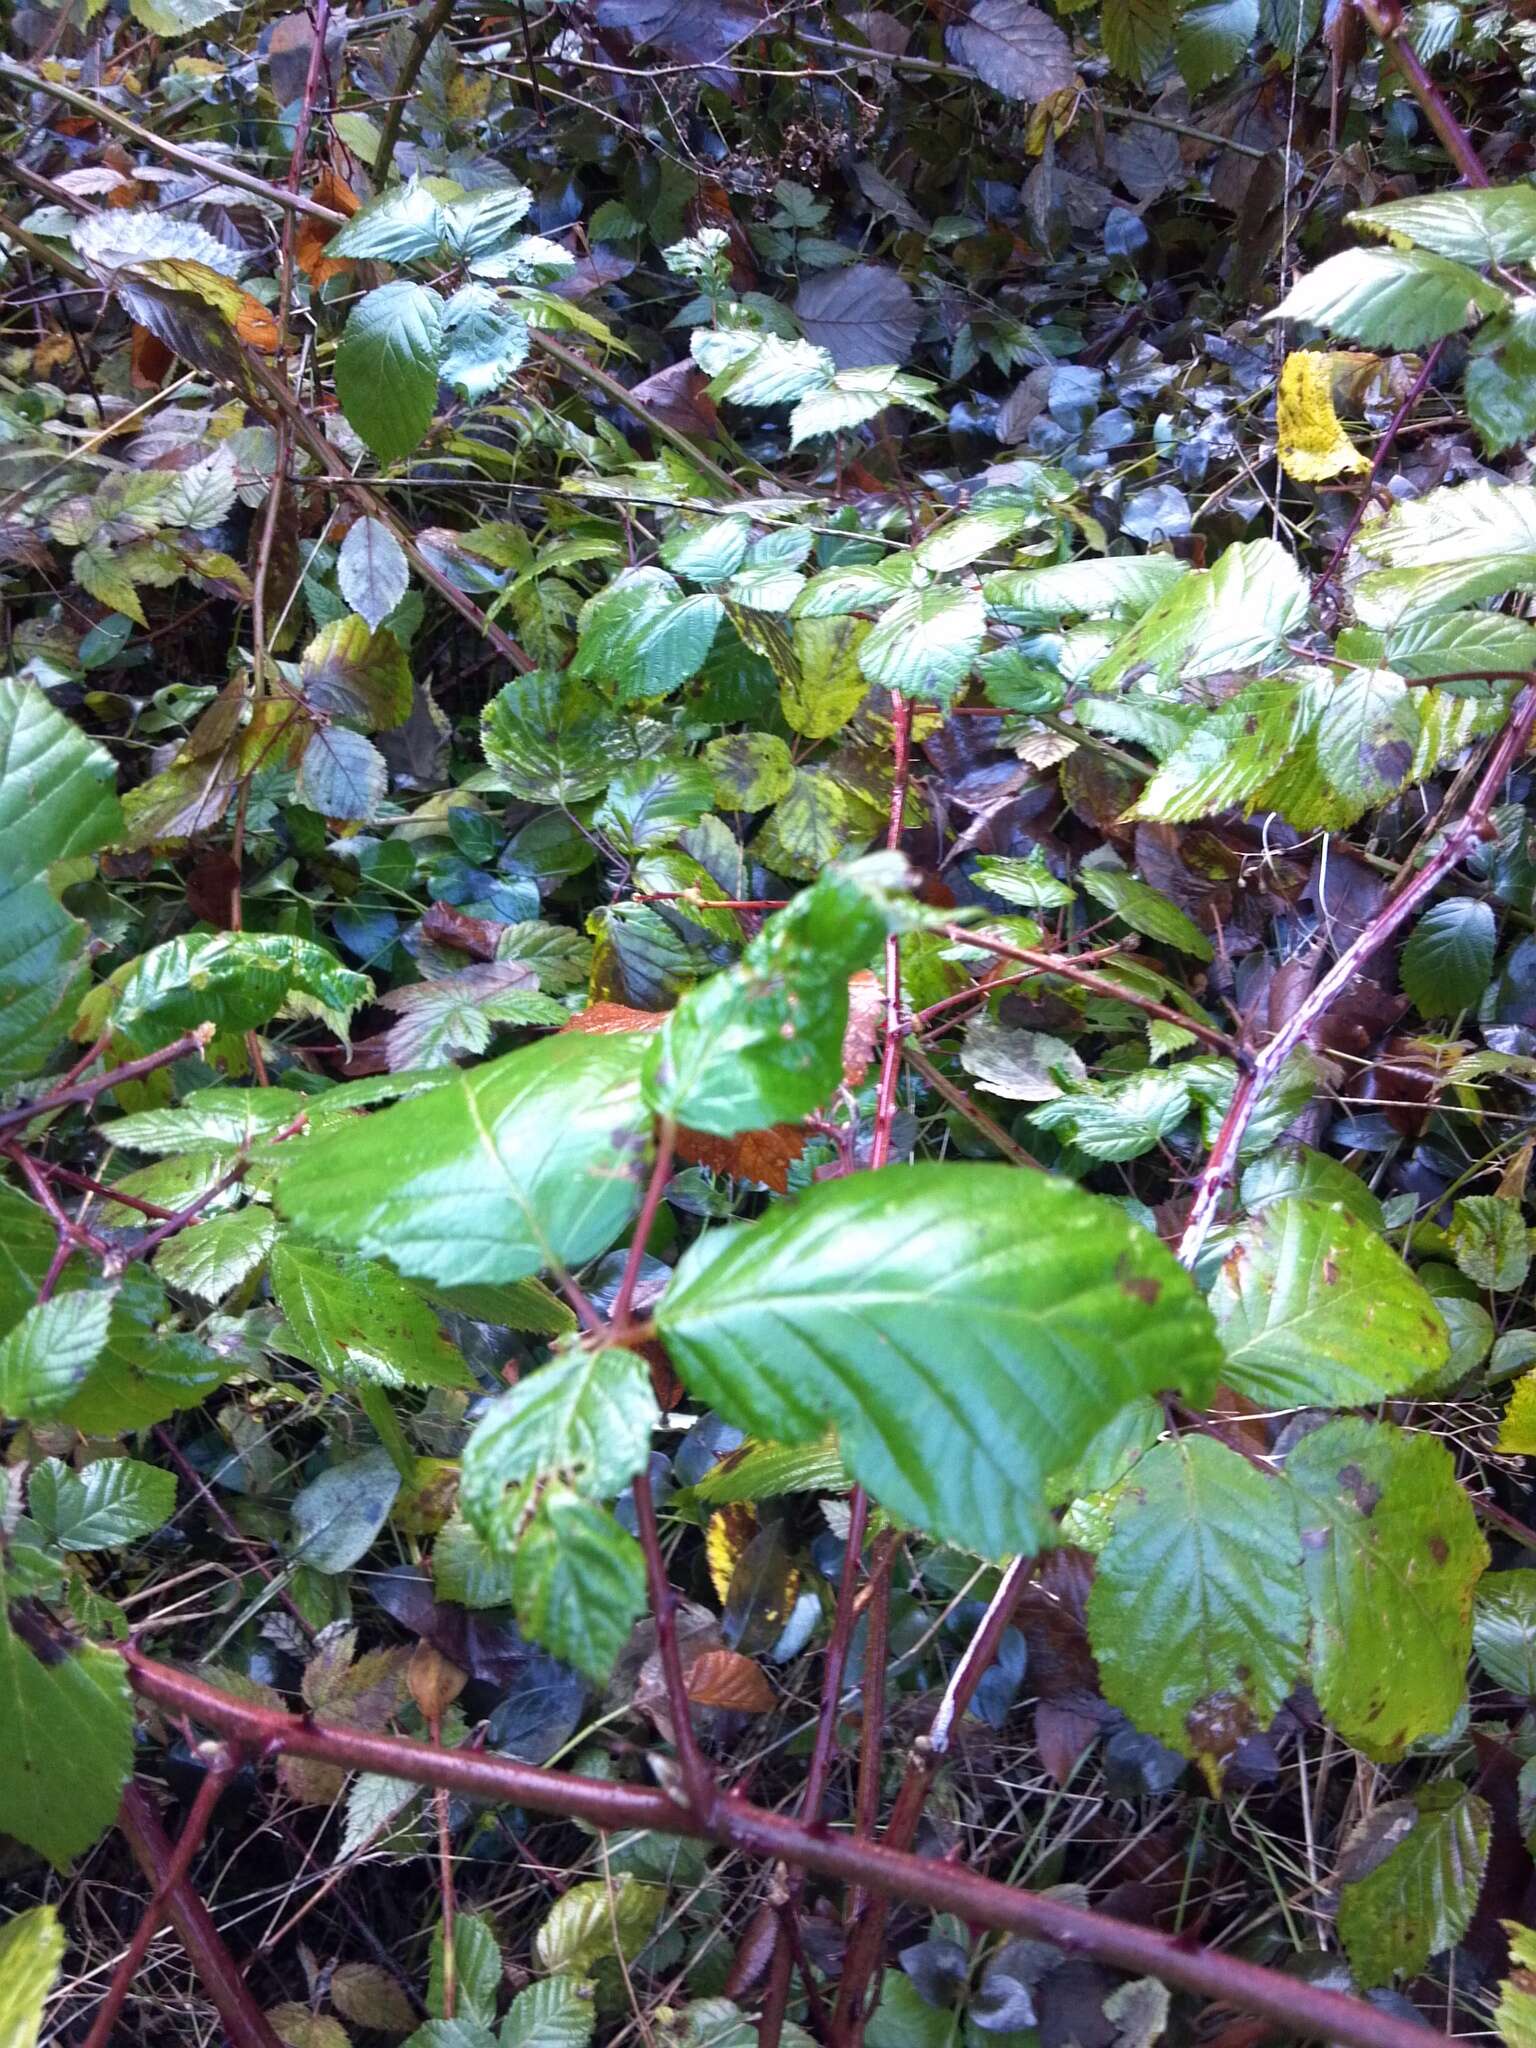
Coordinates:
[211,1258]
[387,364]
[1504,1630]
[1493,225]
[1137,36]
[1490,1242]
[1094,586]
[234,980]
[31,1950]
[527,1160]
[404,223]
[47,1355]
[1417,1899]
[1235,615]
[477,1969]
[1145,910]
[818,1312]
[485,342]
[350,670]
[356,1322]
[342,775]
[578,1582]
[585,1419]
[1367,735]
[1390,298]
[642,637]
[1212,38]
[1196,1616]
[1390,1555]
[108,1504]
[926,643]
[1313,1306]
[553,2013]
[372,572]
[1015,48]
[591,1921]
[550,740]
[1120,1121]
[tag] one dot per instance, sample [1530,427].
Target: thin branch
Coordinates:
[973,1113]
[1297,2006]
[1221,1162]
[87,1091]
[426,31]
[698,1781]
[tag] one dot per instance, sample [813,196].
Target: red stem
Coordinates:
[1221,1163]
[1299,2007]
[87,1091]
[703,1794]
[1386,18]
[244,2021]
[220,1769]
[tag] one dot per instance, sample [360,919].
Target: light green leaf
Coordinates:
[1235,615]
[959,542]
[56,785]
[485,342]
[750,769]
[1313,1306]
[1420,1864]
[822,685]
[819,1312]
[585,1418]
[1367,734]
[1495,225]
[466,1569]
[1469,522]
[1504,1630]
[210,1259]
[1145,909]
[47,1355]
[234,980]
[555,2012]
[649,803]
[108,1504]
[578,1582]
[926,644]
[387,365]
[1390,1554]
[1196,1615]
[1448,961]
[1120,1121]
[550,740]
[1095,586]
[68,1746]
[406,222]
[1390,298]
[31,1950]
[1428,648]
[762,1043]
[642,637]
[179,17]
[525,1162]
[1488,1237]
[477,1969]
[591,1921]
[358,1322]
[1137,36]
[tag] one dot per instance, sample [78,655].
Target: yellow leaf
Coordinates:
[725,1541]
[249,318]
[1517,1433]
[1313,445]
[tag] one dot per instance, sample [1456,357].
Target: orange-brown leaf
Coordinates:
[609,1018]
[752,1155]
[724,1678]
[311,236]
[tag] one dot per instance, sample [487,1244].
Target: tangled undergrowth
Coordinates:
[767,1024]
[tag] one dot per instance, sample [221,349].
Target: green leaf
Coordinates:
[1212,38]
[1462,523]
[1028,883]
[1367,735]
[579,1582]
[477,1969]
[708,551]
[406,222]
[820,1312]
[591,1921]
[179,17]
[1504,1630]
[585,1418]
[1390,1555]
[337,1516]
[68,1746]
[1120,1121]
[31,1950]
[110,1503]
[1145,909]
[550,740]
[466,1569]
[357,1322]
[436,1021]
[1494,225]
[486,341]
[1313,1306]
[387,365]
[342,775]
[210,1259]
[1412,1873]
[1390,298]
[762,1043]
[234,980]
[1196,1616]
[1428,648]
[1235,615]
[642,637]
[1137,36]
[553,2013]
[760,1471]
[1501,400]
[649,803]
[1021,1066]
[959,542]
[350,670]
[1094,586]
[926,644]
[47,1355]
[750,769]
[56,786]
[1448,961]
[1296,1170]
[528,1161]
[371,571]
[1488,1237]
